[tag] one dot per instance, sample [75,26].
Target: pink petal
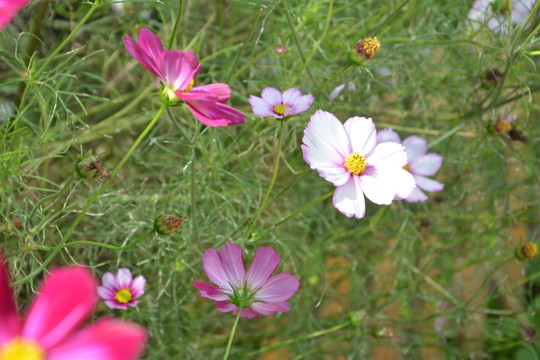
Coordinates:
[270,308]
[211,292]
[150,43]
[9,320]
[335,93]
[133,303]
[250,314]
[226,306]
[8,9]
[278,288]
[115,304]
[105,340]
[123,278]
[388,135]
[222,91]
[426,165]
[264,263]
[362,134]
[66,297]
[208,110]
[272,96]
[349,198]
[262,108]
[428,184]
[213,268]
[290,96]
[175,69]
[388,154]
[105,293]
[109,281]
[417,196]
[137,286]
[134,50]
[415,147]
[301,104]
[233,264]
[329,165]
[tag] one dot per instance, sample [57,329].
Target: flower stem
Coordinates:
[91,201]
[233,330]
[271,185]
[112,247]
[332,79]
[194,184]
[177,22]
[123,316]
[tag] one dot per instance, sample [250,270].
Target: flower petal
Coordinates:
[135,51]
[222,91]
[250,314]
[115,304]
[9,320]
[123,278]
[335,93]
[428,184]
[387,135]
[66,297]
[362,134]
[270,308]
[415,147]
[105,293]
[279,287]
[388,154]
[403,183]
[210,292]
[208,110]
[417,196]
[226,306]
[349,198]
[105,340]
[426,165]
[109,281]
[302,104]
[176,70]
[272,96]
[233,264]
[261,107]
[213,268]
[137,286]
[150,43]
[264,263]
[378,185]
[290,96]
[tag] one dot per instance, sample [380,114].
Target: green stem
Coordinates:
[233,330]
[244,46]
[177,22]
[91,201]
[52,196]
[332,79]
[271,185]
[112,247]
[123,316]
[194,185]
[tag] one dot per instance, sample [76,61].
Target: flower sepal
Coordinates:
[242,298]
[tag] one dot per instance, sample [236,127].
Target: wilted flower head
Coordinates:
[364,50]
[274,104]
[495,13]
[166,224]
[51,328]
[8,9]
[257,291]
[348,156]
[120,290]
[177,71]
[420,164]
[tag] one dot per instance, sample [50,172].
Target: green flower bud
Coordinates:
[166,224]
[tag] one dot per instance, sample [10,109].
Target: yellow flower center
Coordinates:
[370,46]
[529,251]
[190,86]
[406,168]
[355,163]
[22,349]
[502,127]
[280,109]
[123,296]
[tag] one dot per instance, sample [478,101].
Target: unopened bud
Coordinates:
[527,252]
[90,167]
[355,318]
[281,49]
[166,224]
[365,49]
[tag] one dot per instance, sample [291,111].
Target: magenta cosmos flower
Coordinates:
[273,103]
[51,328]
[8,9]
[120,290]
[420,164]
[348,156]
[257,291]
[177,71]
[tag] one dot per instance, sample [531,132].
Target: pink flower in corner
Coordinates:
[419,164]
[258,291]
[52,330]
[8,9]
[348,156]
[273,103]
[177,71]
[121,290]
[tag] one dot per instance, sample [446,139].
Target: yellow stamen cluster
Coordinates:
[123,296]
[406,168]
[529,251]
[502,127]
[280,109]
[190,86]
[369,47]
[355,163]
[22,349]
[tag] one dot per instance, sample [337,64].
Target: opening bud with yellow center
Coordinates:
[365,49]
[502,127]
[21,349]
[280,109]
[355,163]
[123,296]
[527,252]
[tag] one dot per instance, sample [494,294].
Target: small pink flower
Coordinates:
[419,164]
[496,12]
[177,71]
[51,329]
[8,9]
[348,156]
[273,103]
[258,291]
[121,290]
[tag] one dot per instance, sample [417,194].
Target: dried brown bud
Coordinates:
[17,223]
[166,224]
[493,76]
[281,49]
[517,135]
[90,167]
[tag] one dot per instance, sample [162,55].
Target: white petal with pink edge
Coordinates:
[415,147]
[261,107]
[349,198]
[426,165]
[417,196]
[388,155]
[272,96]
[362,134]
[387,135]
[428,184]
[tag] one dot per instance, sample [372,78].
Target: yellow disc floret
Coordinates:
[355,163]
[529,251]
[123,296]
[190,86]
[280,109]
[21,349]
[502,126]
[370,47]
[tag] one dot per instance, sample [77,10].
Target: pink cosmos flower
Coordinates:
[8,9]
[51,328]
[258,291]
[495,13]
[420,164]
[177,71]
[348,156]
[121,290]
[273,103]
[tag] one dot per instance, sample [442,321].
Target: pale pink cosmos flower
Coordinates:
[273,103]
[8,9]
[120,290]
[51,329]
[258,291]
[495,13]
[348,156]
[420,164]
[177,71]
